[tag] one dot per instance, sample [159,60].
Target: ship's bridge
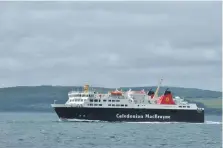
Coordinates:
[79,97]
[75,94]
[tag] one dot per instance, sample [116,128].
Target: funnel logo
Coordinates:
[167,99]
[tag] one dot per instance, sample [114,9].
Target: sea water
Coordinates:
[44,130]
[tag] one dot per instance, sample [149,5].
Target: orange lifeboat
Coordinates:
[117,93]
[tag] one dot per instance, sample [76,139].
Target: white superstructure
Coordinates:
[120,99]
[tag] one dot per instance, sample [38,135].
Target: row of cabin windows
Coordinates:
[112,100]
[108,105]
[96,100]
[83,95]
[76,100]
[117,105]
[94,104]
[184,106]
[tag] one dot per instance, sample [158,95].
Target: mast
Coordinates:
[157,90]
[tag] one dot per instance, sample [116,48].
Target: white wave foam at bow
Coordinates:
[85,120]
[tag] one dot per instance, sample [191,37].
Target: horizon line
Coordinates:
[108,87]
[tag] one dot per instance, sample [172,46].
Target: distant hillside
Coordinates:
[39,98]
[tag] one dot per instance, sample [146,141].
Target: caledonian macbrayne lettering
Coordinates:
[155,116]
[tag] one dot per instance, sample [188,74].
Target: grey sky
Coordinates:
[111,44]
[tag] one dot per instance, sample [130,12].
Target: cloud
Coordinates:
[111,44]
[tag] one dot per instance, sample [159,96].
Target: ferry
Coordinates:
[127,106]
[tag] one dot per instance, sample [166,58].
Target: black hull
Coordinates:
[130,115]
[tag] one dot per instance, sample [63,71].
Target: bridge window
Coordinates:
[117,100]
[109,100]
[122,104]
[188,106]
[113,100]
[109,104]
[95,100]
[113,104]
[100,104]
[91,100]
[126,105]
[117,104]
[95,104]
[104,100]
